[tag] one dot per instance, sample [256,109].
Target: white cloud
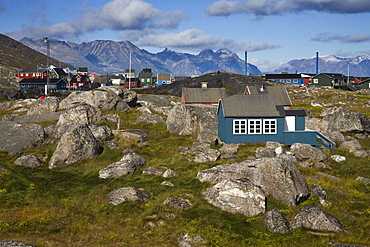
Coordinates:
[266,66]
[117,15]
[354,38]
[193,39]
[260,8]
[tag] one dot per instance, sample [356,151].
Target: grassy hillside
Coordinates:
[69,206]
[17,56]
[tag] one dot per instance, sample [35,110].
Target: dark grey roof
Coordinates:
[258,105]
[203,95]
[295,112]
[278,92]
[40,81]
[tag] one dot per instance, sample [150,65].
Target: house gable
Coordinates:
[207,96]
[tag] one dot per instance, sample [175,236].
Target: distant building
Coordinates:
[54,84]
[118,79]
[146,76]
[78,81]
[203,96]
[164,79]
[132,83]
[297,79]
[82,71]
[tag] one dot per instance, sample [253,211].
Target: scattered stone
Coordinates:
[118,196]
[320,192]
[338,158]
[152,171]
[321,165]
[363,179]
[314,218]
[127,165]
[237,196]
[111,144]
[229,148]
[177,203]
[330,177]
[275,221]
[186,241]
[351,144]
[29,160]
[167,183]
[102,133]
[169,173]
[130,136]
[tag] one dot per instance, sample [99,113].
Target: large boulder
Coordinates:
[16,137]
[127,165]
[315,218]
[103,99]
[129,96]
[77,144]
[177,203]
[305,152]
[237,196]
[278,176]
[198,121]
[130,136]
[126,194]
[339,118]
[81,113]
[42,106]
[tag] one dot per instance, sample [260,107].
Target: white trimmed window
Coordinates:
[315,81]
[255,126]
[239,126]
[269,126]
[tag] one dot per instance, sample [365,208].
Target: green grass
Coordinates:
[69,206]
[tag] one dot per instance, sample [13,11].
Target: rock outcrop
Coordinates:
[277,176]
[77,144]
[42,106]
[198,121]
[102,98]
[237,196]
[305,152]
[29,160]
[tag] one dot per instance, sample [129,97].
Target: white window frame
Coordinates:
[315,81]
[269,126]
[252,124]
[238,126]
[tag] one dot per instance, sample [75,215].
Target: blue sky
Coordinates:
[271,31]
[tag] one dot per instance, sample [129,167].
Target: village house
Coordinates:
[260,118]
[297,79]
[203,96]
[78,81]
[146,77]
[117,79]
[278,92]
[53,84]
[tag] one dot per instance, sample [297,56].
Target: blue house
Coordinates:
[260,118]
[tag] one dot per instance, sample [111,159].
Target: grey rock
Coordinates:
[194,120]
[158,101]
[15,244]
[129,96]
[207,155]
[330,177]
[320,192]
[169,173]
[305,152]
[277,176]
[177,203]
[363,179]
[167,183]
[344,120]
[102,133]
[127,165]
[265,152]
[186,241]
[361,153]
[42,106]
[321,165]
[29,160]
[351,145]
[81,113]
[229,148]
[126,194]
[111,144]
[113,118]
[275,221]
[16,137]
[315,218]
[130,136]
[77,144]
[237,196]
[150,118]
[152,171]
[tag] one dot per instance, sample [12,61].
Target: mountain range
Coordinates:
[106,56]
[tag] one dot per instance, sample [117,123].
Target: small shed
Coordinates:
[204,96]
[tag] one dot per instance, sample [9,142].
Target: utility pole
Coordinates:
[47,65]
